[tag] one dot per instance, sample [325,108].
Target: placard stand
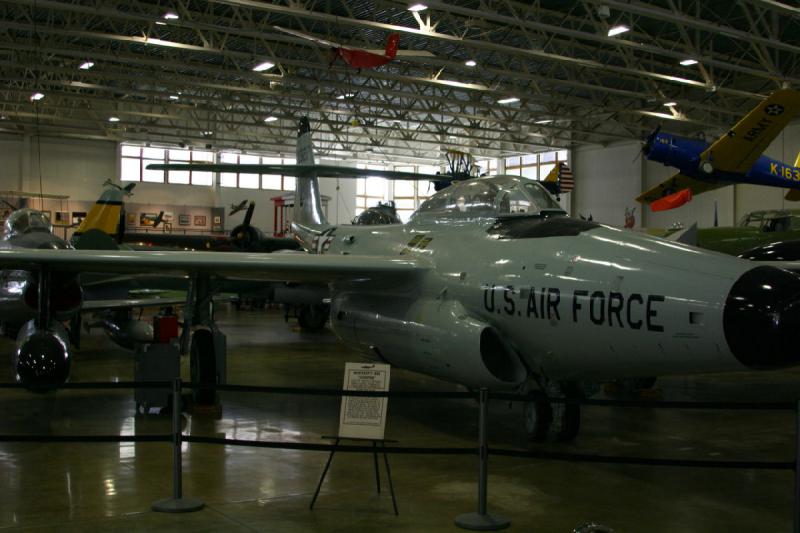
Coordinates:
[375,449]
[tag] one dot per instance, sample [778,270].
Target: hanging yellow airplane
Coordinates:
[733,158]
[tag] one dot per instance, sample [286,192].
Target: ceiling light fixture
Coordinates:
[261,67]
[688,62]
[169,15]
[670,104]
[470,63]
[510,100]
[113,119]
[208,133]
[86,65]
[616,30]
[544,121]
[35,97]
[417,7]
[174,97]
[270,119]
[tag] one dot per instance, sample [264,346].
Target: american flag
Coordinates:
[565,180]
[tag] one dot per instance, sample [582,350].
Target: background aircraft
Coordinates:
[26,311]
[490,285]
[356,57]
[245,237]
[733,158]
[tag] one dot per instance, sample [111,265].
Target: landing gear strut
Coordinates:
[552,421]
[207,345]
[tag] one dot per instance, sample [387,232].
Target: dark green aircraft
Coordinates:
[755,229]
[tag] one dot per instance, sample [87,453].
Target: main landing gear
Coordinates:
[547,420]
[206,343]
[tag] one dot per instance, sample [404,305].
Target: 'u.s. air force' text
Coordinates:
[615,309]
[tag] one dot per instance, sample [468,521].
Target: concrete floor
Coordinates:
[78,487]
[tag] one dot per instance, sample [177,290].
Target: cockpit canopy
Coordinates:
[23,221]
[492,197]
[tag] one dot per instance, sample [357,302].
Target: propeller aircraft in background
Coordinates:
[359,58]
[733,158]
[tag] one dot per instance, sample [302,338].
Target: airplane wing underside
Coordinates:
[255,266]
[739,148]
[676,183]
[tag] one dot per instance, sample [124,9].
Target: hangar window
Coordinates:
[534,166]
[275,182]
[134,161]
[487,166]
[407,195]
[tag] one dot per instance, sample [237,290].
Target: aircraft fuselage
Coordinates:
[572,299]
[684,154]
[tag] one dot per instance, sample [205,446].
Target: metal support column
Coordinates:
[177,504]
[482,521]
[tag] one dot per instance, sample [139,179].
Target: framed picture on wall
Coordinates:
[217,220]
[47,214]
[147,219]
[184,220]
[199,220]
[131,219]
[78,216]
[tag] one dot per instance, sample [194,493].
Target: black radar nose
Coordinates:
[42,360]
[762,318]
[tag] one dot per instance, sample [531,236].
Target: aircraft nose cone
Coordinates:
[42,360]
[762,318]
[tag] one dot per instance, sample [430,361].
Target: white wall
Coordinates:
[607,179]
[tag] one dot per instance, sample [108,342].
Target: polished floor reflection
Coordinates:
[77,487]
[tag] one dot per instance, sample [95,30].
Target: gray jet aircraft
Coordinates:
[491,285]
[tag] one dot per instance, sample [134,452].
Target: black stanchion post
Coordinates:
[177,504]
[482,521]
[796,508]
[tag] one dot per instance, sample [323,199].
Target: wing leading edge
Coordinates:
[739,148]
[300,267]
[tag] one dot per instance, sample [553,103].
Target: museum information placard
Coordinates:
[364,417]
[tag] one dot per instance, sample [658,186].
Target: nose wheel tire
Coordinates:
[545,420]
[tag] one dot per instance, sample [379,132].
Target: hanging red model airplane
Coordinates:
[359,58]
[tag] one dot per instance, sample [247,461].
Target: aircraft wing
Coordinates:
[310,37]
[255,266]
[23,194]
[738,149]
[321,171]
[127,303]
[676,183]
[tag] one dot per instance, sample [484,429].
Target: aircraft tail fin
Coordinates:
[797,160]
[792,195]
[391,45]
[560,179]
[106,212]
[309,220]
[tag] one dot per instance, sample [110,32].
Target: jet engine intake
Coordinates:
[762,318]
[430,336]
[42,357]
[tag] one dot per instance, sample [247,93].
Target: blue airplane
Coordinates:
[733,158]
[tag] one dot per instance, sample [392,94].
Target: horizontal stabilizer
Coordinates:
[792,195]
[301,171]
